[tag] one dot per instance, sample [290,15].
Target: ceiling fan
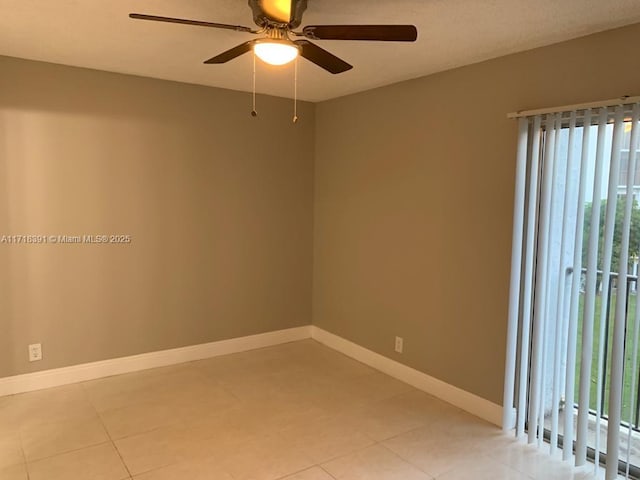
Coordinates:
[276,21]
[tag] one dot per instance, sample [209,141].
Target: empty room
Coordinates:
[319,240]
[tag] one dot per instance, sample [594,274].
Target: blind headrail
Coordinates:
[624,100]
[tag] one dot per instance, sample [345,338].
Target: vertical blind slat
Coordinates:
[548,330]
[617,348]
[540,290]
[634,385]
[610,217]
[561,322]
[516,269]
[532,202]
[631,172]
[551,320]
[575,290]
[589,301]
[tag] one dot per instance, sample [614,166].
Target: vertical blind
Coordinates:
[571,368]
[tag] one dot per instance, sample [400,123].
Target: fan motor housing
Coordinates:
[261,19]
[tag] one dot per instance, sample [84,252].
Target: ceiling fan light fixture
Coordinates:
[279,10]
[276,52]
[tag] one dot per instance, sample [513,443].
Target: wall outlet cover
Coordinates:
[35,352]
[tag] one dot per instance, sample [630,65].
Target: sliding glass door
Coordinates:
[575,370]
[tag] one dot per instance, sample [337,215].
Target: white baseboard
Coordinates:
[469,402]
[90,371]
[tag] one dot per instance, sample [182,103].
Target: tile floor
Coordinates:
[298,411]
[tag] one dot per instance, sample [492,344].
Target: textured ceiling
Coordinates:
[98,34]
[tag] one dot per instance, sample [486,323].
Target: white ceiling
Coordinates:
[98,34]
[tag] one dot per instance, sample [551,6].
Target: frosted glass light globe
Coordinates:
[276,52]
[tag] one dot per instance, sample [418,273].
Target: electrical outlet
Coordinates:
[399,344]
[35,352]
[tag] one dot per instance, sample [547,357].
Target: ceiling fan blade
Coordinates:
[322,58]
[232,53]
[155,18]
[382,33]
[278,10]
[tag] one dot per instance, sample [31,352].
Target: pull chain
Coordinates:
[253,110]
[295,90]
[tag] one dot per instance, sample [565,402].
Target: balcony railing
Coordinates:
[631,293]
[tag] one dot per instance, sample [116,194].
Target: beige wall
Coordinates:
[412,209]
[219,206]
[413,202]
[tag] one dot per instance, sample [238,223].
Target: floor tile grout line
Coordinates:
[66,452]
[46,457]
[125,437]
[106,430]
[109,435]
[533,451]
[380,444]
[406,460]
[159,467]
[202,371]
[126,467]
[325,470]
[291,474]
[24,455]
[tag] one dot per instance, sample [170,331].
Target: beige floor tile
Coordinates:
[121,390]
[260,417]
[252,364]
[266,458]
[370,387]
[373,463]
[46,440]
[558,470]
[396,415]
[267,414]
[520,456]
[302,350]
[483,468]
[297,382]
[327,438]
[536,463]
[46,406]
[266,387]
[331,401]
[437,450]
[169,384]
[10,450]
[168,445]
[242,422]
[249,420]
[7,411]
[587,473]
[313,473]
[285,384]
[336,394]
[4,401]
[306,356]
[459,423]
[329,363]
[15,472]
[207,469]
[199,391]
[190,405]
[138,418]
[100,462]
[104,387]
